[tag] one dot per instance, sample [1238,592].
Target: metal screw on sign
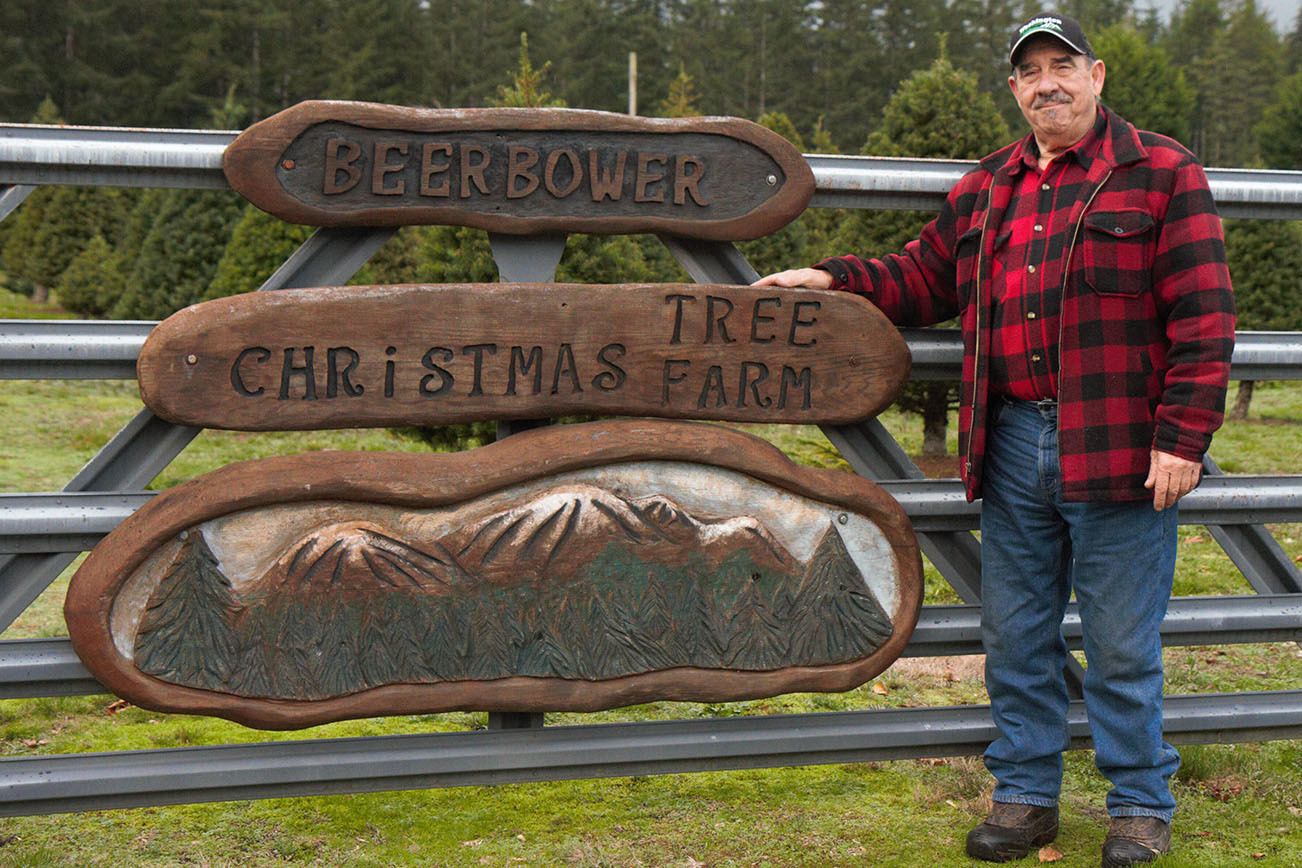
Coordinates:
[772,180]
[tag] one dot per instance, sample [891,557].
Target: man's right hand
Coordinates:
[814,278]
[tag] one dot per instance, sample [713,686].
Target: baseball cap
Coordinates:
[1061,27]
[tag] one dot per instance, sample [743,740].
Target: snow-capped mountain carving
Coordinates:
[563,529]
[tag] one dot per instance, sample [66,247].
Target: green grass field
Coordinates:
[1239,804]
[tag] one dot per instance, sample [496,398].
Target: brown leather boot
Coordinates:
[1134,840]
[1011,831]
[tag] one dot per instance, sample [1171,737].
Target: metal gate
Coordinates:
[41,533]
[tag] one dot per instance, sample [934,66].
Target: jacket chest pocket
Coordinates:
[1117,251]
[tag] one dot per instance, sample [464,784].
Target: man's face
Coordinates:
[1056,89]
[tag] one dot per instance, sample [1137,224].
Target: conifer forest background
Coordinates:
[924,78]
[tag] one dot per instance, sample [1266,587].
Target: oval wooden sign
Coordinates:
[429,355]
[574,568]
[520,171]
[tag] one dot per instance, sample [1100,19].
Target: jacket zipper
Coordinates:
[1062,293]
[976,351]
[1062,298]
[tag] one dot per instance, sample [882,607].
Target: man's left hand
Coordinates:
[1171,478]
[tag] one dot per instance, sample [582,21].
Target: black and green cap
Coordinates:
[1064,29]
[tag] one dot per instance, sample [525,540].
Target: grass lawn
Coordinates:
[1240,804]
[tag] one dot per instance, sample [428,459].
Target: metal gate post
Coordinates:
[523,259]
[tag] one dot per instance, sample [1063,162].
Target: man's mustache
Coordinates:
[1051,99]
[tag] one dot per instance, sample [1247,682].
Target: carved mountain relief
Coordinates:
[574,568]
[577,583]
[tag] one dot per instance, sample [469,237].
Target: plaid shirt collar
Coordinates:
[1083,152]
[1118,144]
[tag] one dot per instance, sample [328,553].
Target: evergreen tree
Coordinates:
[251,674]
[977,32]
[937,112]
[604,259]
[491,651]
[186,239]
[681,100]
[1293,45]
[260,243]
[25,41]
[335,652]
[823,223]
[292,627]
[766,60]
[528,88]
[19,239]
[1143,85]
[126,248]
[589,41]
[756,640]
[1194,28]
[398,261]
[82,285]
[1280,131]
[1236,80]
[21,228]
[455,254]
[186,634]
[1265,259]
[179,255]
[660,263]
[1095,15]
[377,643]
[378,50]
[71,217]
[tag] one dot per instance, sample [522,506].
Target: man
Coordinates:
[1086,264]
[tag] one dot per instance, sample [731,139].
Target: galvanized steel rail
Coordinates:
[40,532]
[61,349]
[84,782]
[115,156]
[49,667]
[66,521]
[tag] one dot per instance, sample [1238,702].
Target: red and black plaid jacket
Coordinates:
[1146,323]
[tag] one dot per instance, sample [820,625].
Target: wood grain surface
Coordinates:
[520,171]
[218,541]
[429,355]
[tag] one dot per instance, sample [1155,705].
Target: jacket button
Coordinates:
[1118,229]
[1035,357]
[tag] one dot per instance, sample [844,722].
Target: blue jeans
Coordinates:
[1120,560]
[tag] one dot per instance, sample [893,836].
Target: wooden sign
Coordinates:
[578,567]
[520,171]
[431,355]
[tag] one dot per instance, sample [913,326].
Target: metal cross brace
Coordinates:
[868,447]
[147,444]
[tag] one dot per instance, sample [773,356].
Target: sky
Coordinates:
[1281,11]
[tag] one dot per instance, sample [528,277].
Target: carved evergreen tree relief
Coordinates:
[652,599]
[185,635]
